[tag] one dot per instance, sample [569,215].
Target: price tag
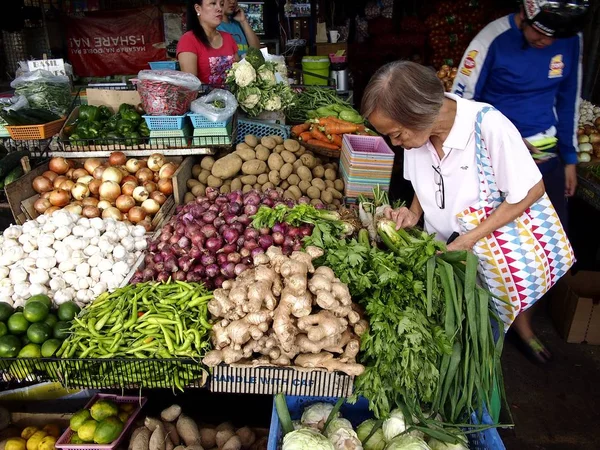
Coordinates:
[56,66]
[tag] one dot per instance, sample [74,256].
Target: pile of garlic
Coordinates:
[67,257]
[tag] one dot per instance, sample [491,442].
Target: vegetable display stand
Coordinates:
[107,373]
[63,442]
[588,186]
[259,129]
[35,132]
[359,412]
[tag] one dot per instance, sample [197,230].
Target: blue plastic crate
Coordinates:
[164,65]
[359,412]
[260,129]
[199,121]
[160,123]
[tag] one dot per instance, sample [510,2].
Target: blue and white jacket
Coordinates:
[537,89]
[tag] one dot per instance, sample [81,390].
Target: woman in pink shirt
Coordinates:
[203,50]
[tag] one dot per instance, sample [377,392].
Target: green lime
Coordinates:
[5,311]
[61,330]
[38,333]
[3,329]
[40,298]
[35,311]
[30,351]
[17,323]
[9,346]
[68,311]
[51,320]
[50,347]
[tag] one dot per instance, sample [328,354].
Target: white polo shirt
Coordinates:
[515,169]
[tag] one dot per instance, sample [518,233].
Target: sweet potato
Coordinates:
[171,413]
[188,430]
[251,140]
[157,439]
[141,440]
[254,167]
[275,161]
[207,162]
[169,444]
[227,166]
[135,434]
[152,423]
[171,432]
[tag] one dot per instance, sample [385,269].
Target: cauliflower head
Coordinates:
[249,98]
[266,75]
[273,103]
[244,74]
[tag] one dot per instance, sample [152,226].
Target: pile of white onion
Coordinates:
[130,190]
[588,138]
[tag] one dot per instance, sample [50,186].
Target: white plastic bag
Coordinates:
[17,102]
[45,90]
[174,77]
[205,105]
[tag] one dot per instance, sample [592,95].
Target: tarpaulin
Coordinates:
[115,42]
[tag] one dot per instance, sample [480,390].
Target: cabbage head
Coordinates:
[375,442]
[306,439]
[316,415]
[337,424]
[396,424]
[345,439]
[439,445]
[407,442]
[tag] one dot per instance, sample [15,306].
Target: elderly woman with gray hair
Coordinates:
[406,102]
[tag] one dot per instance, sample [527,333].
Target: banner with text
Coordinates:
[103,44]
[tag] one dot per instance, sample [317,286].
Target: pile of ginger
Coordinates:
[285,312]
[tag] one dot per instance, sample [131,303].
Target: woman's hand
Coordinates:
[240,16]
[403,217]
[463,242]
[570,180]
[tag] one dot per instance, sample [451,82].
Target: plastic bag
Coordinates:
[174,77]
[17,102]
[45,90]
[206,108]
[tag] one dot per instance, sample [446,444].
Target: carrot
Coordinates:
[299,129]
[305,136]
[339,128]
[318,134]
[319,143]
[336,139]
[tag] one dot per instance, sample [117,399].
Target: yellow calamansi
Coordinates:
[15,444]
[52,430]
[47,443]
[34,441]
[28,432]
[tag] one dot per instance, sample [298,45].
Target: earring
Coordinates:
[198,14]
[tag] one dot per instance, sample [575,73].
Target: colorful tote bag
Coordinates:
[521,261]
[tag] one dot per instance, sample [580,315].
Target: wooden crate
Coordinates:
[21,196]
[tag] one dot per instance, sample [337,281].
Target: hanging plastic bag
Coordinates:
[218,106]
[45,90]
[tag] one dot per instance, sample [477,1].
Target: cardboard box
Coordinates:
[575,307]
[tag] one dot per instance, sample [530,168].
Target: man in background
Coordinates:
[236,23]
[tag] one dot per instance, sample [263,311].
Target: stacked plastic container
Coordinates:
[365,162]
[207,132]
[168,131]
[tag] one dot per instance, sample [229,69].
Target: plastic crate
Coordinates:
[63,442]
[359,412]
[199,121]
[159,123]
[260,129]
[164,65]
[36,132]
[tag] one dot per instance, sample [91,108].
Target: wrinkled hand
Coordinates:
[570,180]
[240,16]
[533,149]
[463,242]
[403,217]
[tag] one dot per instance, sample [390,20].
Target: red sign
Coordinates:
[116,42]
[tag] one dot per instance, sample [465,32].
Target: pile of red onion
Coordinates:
[211,240]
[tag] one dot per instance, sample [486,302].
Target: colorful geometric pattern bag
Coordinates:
[521,261]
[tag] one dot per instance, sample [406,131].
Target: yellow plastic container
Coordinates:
[318,65]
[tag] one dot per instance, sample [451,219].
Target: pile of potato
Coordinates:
[268,163]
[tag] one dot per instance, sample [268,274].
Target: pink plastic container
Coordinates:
[64,441]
